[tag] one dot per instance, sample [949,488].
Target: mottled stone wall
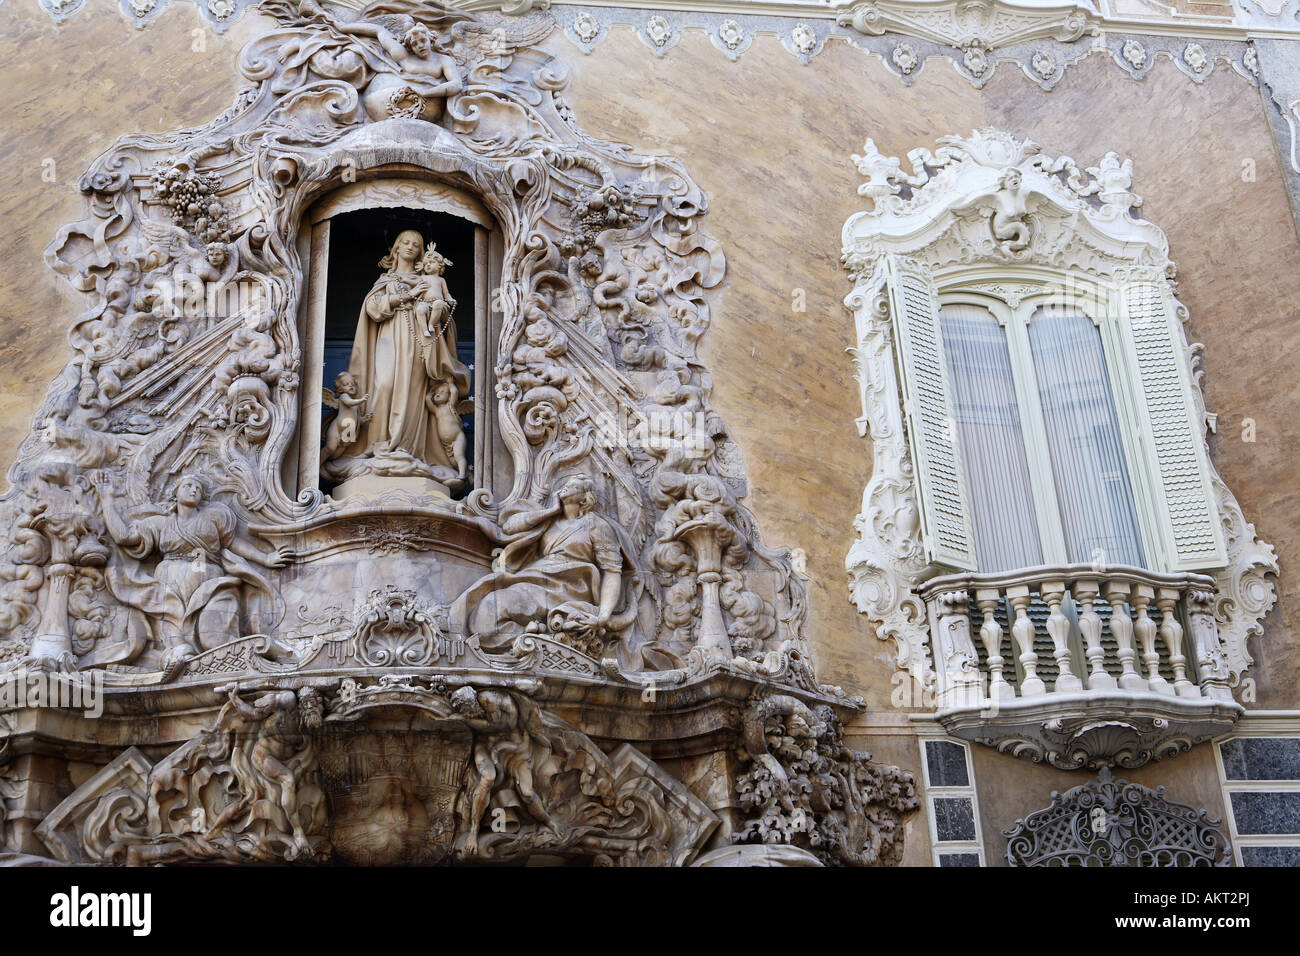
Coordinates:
[769,140]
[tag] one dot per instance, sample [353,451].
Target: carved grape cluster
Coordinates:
[193,200]
[595,212]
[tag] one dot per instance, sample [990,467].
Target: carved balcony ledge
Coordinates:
[1079,666]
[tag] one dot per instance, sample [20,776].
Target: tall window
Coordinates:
[1039,439]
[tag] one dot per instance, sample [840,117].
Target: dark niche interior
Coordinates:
[358,240]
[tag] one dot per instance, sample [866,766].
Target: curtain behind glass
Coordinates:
[1092,480]
[990,439]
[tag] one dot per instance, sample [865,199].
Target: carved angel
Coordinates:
[423,74]
[343,427]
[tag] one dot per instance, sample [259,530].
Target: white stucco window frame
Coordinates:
[990,215]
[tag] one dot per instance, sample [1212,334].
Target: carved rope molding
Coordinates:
[938,213]
[604,275]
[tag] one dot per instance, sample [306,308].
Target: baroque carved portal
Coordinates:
[162,461]
[185,519]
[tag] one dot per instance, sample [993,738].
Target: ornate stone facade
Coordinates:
[399,484]
[160,533]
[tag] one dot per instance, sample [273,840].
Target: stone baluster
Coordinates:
[955,654]
[1211,661]
[52,647]
[1118,593]
[991,636]
[1085,595]
[1023,632]
[1058,626]
[1145,628]
[1171,632]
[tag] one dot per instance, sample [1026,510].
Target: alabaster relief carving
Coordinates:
[486,775]
[984,24]
[801,787]
[405,423]
[975,29]
[995,203]
[1116,823]
[595,374]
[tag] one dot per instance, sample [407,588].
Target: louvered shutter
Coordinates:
[1172,436]
[932,431]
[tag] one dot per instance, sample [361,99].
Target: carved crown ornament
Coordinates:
[992,216]
[187,525]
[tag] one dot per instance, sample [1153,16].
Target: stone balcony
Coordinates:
[1079,666]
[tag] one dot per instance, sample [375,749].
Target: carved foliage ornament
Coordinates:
[116,557]
[799,785]
[994,202]
[1116,823]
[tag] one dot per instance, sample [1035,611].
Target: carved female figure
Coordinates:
[405,346]
[193,593]
[563,571]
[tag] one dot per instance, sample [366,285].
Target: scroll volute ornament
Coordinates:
[604,273]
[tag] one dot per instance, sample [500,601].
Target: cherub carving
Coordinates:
[1010,222]
[435,304]
[215,270]
[441,400]
[348,418]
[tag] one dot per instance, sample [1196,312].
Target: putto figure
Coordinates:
[351,414]
[424,77]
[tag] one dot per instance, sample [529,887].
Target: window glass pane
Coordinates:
[991,442]
[1088,466]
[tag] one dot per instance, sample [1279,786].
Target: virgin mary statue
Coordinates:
[403,355]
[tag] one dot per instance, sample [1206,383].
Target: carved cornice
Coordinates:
[495,755]
[971,24]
